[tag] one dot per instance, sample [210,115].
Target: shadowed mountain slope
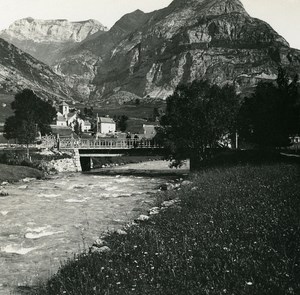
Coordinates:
[19,70]
[212,39]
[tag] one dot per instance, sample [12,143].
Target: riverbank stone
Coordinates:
[186,182]
[121,232]
[99,243]
[3,193]
[28,179]
[154,210]
[170,203]
[166,186]
[103,249]
[143,218]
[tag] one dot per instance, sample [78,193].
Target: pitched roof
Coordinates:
[70,115]
[64,104]
[61,130]
[106,120]
[60,118]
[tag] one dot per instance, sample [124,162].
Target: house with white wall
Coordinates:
[60,119]
[106,125]
[86,126]
[149,130]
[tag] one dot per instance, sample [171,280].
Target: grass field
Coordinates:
[15,173]
[236,231]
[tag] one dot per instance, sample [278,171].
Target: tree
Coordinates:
[122,123]
[85,111]
[77,127]
[30,115]
[197,116]
[272,114]
[137,101]
[11,128]
[155,114]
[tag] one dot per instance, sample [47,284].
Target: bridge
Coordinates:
[106,144]
[86,149]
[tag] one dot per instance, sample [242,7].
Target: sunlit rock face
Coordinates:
[46,39]
[80,63]
[211,39]
[19,70]
[149,54]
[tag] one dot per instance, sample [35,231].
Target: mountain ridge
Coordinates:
[19,70]
[47,39]
[214,40]
[149,54]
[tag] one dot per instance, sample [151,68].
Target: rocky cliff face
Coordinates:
[150,54]
[81,62]
[211,39]
[19,70]
[47,39]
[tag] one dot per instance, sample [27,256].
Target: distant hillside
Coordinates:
[19,70]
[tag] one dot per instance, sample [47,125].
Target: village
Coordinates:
[71,122]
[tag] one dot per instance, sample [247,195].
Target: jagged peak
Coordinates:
[130,19]
[211,6]
[138,11]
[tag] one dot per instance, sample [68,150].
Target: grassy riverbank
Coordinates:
[235,231]
[15,173]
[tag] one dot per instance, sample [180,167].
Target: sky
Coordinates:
[282,15]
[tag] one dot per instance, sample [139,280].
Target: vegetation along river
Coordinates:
[44,222]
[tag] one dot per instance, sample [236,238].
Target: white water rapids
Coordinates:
[42,223]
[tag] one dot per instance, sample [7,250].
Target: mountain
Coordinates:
[47,39]
[194,39]
[80,62]
[19,70]
[149,54]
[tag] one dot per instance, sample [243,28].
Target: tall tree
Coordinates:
[197,117]
[30,115]
[272,114]
[122,123]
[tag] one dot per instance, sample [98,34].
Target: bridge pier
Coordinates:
[86,163]
[77,160]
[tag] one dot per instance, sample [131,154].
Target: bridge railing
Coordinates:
[71,143]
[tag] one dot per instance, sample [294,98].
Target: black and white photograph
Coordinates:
[149,147]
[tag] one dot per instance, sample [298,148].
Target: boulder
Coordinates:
[166,186]
[103,249]
[154,210]
[121,232]
[3,193]
[170,203]
[143,218]
[99,243]
[28,179]
[186,182]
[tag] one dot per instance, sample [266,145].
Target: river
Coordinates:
[44,222]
